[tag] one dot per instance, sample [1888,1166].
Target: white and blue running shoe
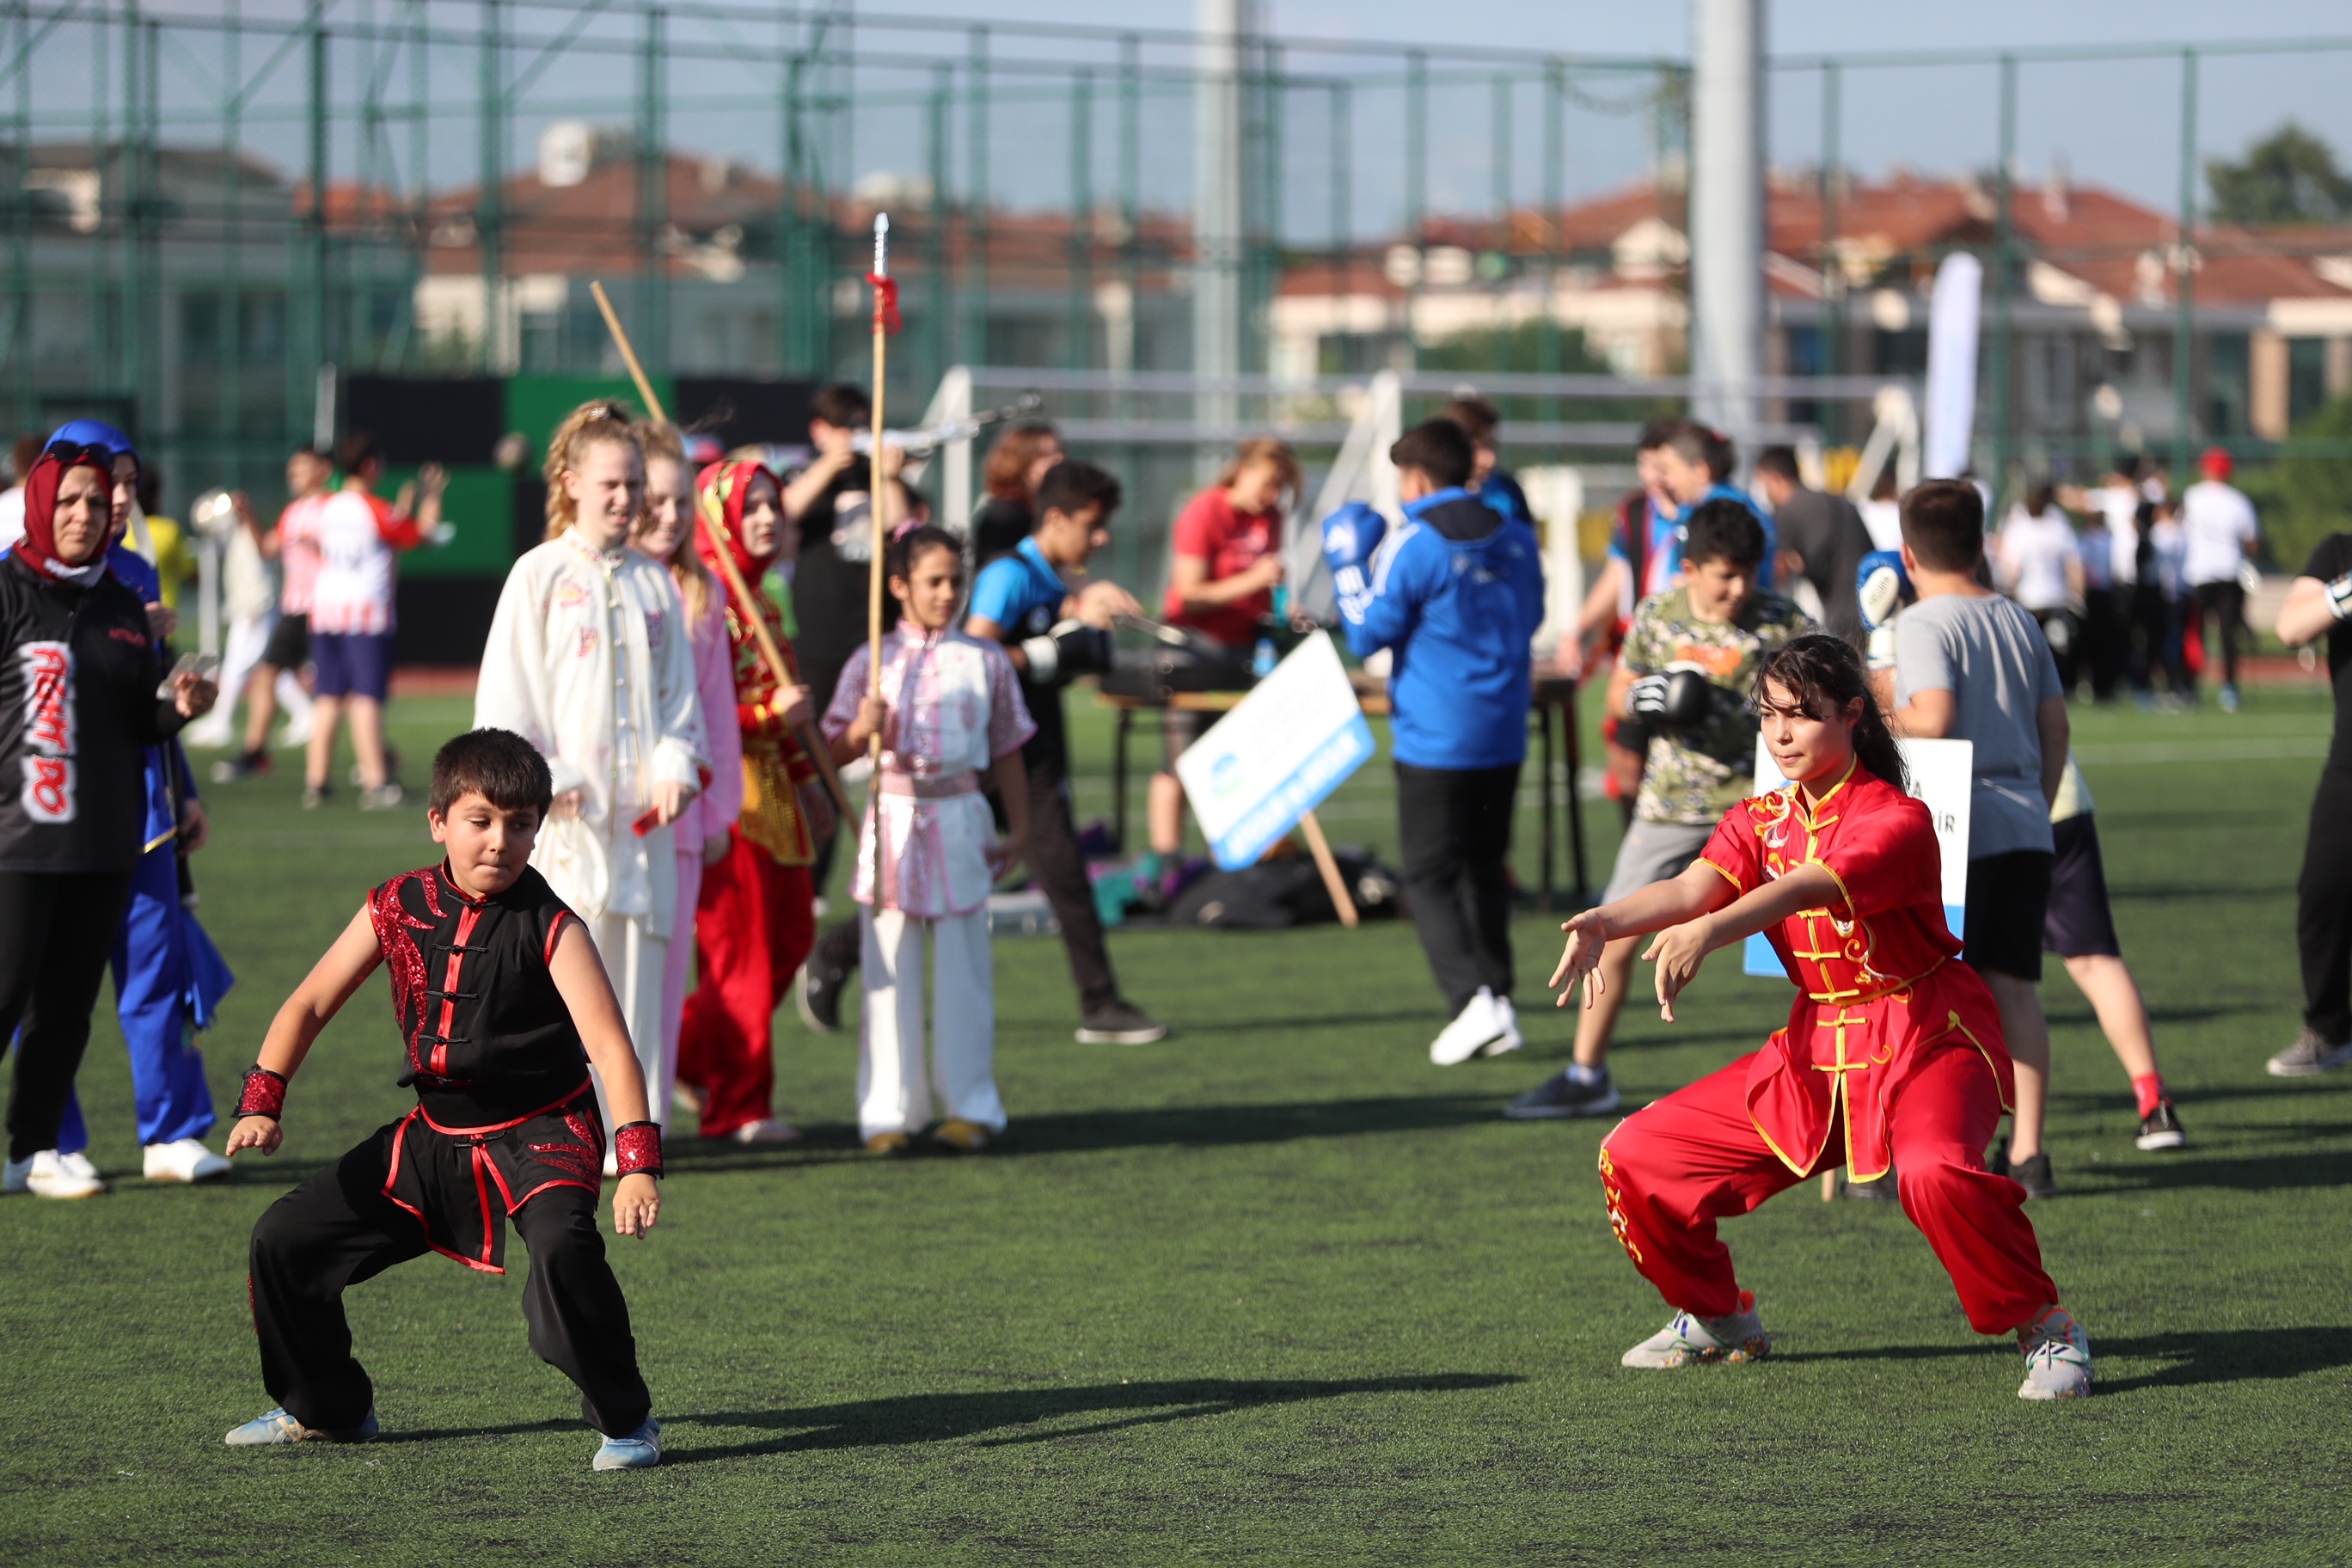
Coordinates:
[277,1427]
[639,1450]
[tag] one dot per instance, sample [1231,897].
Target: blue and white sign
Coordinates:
[1940,774]
[1295,737]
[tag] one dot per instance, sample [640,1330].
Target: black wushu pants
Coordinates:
[412,1188]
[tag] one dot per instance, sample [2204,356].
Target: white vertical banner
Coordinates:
[1941,774]
[1952,365]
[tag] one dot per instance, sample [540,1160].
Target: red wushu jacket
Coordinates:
[1880,983]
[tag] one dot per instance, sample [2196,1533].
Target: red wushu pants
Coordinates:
[754,925]
[1671,1170]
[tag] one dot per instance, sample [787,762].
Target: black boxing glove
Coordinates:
[1071,649]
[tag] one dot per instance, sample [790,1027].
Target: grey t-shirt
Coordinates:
[1992,657]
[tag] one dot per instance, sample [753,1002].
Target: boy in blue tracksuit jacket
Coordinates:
[1454,596]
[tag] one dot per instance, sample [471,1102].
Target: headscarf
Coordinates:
[39,548]
[99,433]
[720,491]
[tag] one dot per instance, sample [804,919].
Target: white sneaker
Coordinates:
[1478,1024]
[1510,1039]
[767,1130]
[48,1176]
[183,1160]
[2057,1357]
[1687,1340]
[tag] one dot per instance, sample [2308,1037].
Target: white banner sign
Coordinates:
[1940,775]
[1291,742]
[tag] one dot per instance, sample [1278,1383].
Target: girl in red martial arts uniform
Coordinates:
[1891,1063]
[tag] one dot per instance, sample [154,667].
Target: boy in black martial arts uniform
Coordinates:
[503,1002]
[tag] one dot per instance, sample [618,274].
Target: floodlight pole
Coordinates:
[2004,268]
[1726,208]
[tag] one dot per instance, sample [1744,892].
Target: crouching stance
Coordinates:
[1892,1064]
[503,1003]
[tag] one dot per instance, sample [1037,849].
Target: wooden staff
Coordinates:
[877,487]
[749,604]
[1333,883]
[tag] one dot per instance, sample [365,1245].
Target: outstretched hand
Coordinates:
[1588,933]
[636,1202]
[1678,951]
[260,1132]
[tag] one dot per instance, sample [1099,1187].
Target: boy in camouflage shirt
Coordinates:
[1714,624]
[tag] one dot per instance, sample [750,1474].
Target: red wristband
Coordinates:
[265,1094]
[637,1147]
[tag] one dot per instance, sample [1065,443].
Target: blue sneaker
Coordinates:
[277,1427]
[640,1450]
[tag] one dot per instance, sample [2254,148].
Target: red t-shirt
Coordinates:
[1231,542]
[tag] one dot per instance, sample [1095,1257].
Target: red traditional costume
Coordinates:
[755,920]
[1893,1059]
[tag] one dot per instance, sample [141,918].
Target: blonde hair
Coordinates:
[659,438]
[599,420]
[1263,449]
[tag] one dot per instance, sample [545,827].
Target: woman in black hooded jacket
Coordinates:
[80,697]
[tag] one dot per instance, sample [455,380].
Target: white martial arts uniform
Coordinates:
[589,660]
[250,596]
[955,708]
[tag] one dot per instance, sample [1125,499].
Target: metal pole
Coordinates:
[131,155]
[792,346]
[1416,186]
[937,287]
[1499,161]
[1265,230]
[20,223]
[2004,429]
[1555,198]
[2184,327]
[232,292]
[314,307]
[1130,547]
[1077,335]
[1833,306]
[1727,210]
[1219,209]
[653,197]
[975,220]
[490,219]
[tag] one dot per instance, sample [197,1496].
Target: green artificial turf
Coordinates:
[1276,1288]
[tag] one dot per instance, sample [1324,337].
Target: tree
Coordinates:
[2289,176]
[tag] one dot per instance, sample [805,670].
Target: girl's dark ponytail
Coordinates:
[1826,673]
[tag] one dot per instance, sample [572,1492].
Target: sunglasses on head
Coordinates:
[72,452]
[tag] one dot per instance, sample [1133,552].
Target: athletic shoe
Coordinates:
[2057,1357]
[640,1450]
[2161,1129]
[49,1175]
[1688,1340]
[15,1175]
[2312,1054]
[2033,1174]
[685,1103]
[276,1426]
[888,1143]
[183,1160]
[1561,1095]
[1119,1022]
[768,1129]
[2228,699]
[316,795]
[1510,1039]
[1482,1023]
[384,797]
[964,1137]
[245,765]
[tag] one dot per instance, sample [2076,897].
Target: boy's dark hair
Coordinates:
[1479,419]
[355,451]
[1781,461]
[1657,433]
[497,764]
[1722,530]
[1439,448]
[1943,522]
[843,405]
[1070,487]
[915,543]
[1689,440]
[1722,456]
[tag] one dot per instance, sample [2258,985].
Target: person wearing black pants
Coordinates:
[78,680]
[2320,600]
[1454,835]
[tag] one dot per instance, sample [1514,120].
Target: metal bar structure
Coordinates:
[1833,267]
[2003,373]
[2184,286]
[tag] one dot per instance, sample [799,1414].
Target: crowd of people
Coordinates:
[636,827]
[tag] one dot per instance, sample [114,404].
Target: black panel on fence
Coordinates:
[444,621]
[530,513]
[739,410]
[456,422]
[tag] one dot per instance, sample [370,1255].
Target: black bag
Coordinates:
[1275,895]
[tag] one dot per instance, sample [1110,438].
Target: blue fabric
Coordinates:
[1502,492]
[1456,600]
[1013,588]
[1661,552]
[351,663]
[169,980]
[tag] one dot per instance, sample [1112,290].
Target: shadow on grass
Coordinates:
[1177,1126]
[2211,1355]
[944,1417]
[2197,892]
[2266,1173]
